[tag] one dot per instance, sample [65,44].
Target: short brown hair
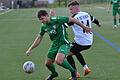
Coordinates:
[73,3]
[42,13]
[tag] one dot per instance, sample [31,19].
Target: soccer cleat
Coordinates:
[115,26]
[73,74]
[50,77]
[77,75]
[86,71]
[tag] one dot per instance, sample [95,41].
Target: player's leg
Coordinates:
[81,59]
[78,54]
[71,60]
[76,49]
[83,63]
[114,18]
[49,62]
[72,63]
[51,67]
[60,60]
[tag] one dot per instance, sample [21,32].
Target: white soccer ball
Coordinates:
[29,67]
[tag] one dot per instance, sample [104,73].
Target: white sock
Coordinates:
[85,66]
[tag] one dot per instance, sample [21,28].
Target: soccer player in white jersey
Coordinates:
[82,40]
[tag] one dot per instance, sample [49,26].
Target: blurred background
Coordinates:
[41,3]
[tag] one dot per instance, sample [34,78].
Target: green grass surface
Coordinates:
[18,29]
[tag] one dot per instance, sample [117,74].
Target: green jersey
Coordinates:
[55,30]
[115,4]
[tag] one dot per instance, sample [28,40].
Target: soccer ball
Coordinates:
[29,67]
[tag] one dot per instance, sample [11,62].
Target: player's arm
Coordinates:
[95,21]
[36,42]
[87,29]
[53,13]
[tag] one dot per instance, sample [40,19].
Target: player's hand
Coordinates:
[52,12]
[28,52]
[88,30]
[99,25]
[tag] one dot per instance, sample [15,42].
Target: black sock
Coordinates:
[80,59]
[71,61]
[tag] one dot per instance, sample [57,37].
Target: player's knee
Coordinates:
[59,62]
[59,58]
[47,63]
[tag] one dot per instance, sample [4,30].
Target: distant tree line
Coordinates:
[44,3]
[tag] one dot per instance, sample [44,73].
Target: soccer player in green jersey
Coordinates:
[60,45]
[115,10]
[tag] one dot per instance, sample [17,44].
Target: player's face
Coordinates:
[44,19]
[72,9]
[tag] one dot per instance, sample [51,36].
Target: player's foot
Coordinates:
[50,77]
[77,75]
[86,71]
[73,74]
[115,26]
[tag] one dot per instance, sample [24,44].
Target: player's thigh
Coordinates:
[62,52]
[114,12]
[64,49]
[76,48]
[59,58]
[52,52]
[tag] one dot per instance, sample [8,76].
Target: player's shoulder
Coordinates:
[57,17]
[54,17]
[83,13]
[42,25]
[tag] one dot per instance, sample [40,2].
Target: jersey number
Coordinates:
[88,25]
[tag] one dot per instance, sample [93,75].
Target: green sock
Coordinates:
[51,68]
[66,65]
[115,22]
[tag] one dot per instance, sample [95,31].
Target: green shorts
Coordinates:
[55,48]
[115,11]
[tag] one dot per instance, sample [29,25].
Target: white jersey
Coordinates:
[81,37]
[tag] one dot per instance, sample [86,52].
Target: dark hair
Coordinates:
[73,3]
[42,13]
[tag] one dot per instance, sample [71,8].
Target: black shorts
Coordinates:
[76,48]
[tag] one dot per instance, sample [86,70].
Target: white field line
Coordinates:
[5,12]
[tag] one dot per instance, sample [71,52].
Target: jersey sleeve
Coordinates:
[63,19]
[42,31]
[94,20]
[71,23]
